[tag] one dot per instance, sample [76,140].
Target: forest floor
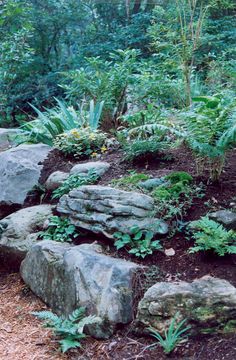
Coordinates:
[22,336]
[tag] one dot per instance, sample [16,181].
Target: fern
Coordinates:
[69,330]
[212,236]
[209,129]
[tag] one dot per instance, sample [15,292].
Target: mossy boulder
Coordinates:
[208,305]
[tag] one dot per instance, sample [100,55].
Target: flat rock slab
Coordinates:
[20,169]
[19,231]
[67,277]
[225,217]
[208,305]
[103,209]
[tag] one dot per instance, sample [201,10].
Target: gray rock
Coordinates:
[7,137]
[151,184]
[67,277]
[83,169]
[19,231]
[225,217]
[55,180]
[105,210]
[20,169]
[208,304]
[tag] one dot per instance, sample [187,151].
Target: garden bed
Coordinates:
[182,266]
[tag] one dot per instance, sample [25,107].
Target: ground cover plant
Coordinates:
[149,87]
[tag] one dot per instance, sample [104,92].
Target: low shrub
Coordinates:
[81,143]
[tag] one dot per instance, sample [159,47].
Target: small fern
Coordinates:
[69,330]
[212,236]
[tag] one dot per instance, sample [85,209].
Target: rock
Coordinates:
[170,252]
[151,184]
[67,277]
[7,137]
[225,217]
[102,209]
[83,169]
[55,180]
[20,169]
[208,304]
[19,231]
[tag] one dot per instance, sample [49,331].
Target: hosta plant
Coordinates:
[59,229]
[69,331]
[209,235]
[140,242]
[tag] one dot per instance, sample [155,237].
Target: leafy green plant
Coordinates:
[75,181]
[82,142]
[69,330]
[103,80]
[212,236]
[59,229]
[140,242]
[172,336]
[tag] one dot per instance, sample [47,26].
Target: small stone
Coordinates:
[55,180]
[83,169]
[151,184]
[170,252]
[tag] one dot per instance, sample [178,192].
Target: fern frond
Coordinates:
[88,320]
[77,314]
[46,315]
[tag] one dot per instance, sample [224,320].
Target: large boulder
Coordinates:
[225,217]
[20,169]
[67,277]
[19,231]
[208,305]
[102,209]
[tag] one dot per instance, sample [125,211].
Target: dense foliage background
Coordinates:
[159,52]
